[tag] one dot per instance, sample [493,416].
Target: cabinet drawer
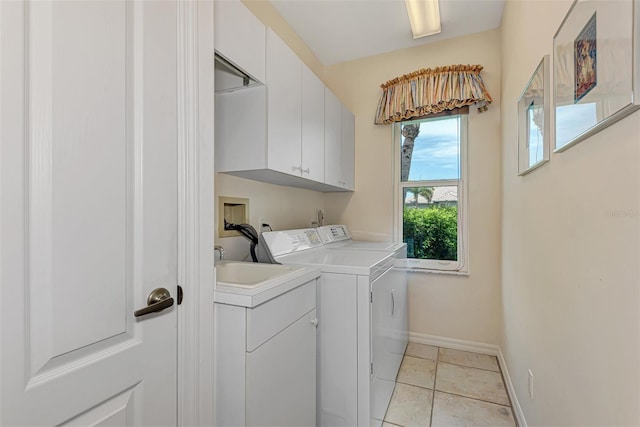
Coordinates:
[266,320]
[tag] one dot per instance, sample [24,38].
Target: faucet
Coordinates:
[220,249]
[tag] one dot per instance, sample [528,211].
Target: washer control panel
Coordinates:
[288,241]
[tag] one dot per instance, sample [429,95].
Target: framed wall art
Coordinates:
[534,107]
[595,68]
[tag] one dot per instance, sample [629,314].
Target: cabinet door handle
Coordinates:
[304,170]
[314,322]
[296,168]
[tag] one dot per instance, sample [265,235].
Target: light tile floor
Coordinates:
[441,387]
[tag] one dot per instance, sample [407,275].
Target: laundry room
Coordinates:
[329,213]
[548,265]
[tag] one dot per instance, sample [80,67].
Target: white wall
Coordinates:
[283,208]
[570,253]
[456,307]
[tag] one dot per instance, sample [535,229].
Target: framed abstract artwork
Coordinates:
[534,107]
[595,68]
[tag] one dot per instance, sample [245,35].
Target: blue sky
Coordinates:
[436,152]
[536,140]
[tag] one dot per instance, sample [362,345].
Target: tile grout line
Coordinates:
[473,367]
[433,393]
[507,405]
[437,359]
[478,400]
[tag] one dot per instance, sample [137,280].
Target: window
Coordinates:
[430,177]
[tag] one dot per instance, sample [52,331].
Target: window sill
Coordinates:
[429,271]
[414,266]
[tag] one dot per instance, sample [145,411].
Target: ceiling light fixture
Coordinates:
[424,16]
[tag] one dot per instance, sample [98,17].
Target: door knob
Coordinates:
[158,300]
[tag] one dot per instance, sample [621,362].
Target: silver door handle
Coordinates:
[158,300]
[393,302]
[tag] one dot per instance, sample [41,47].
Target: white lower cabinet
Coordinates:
[281,377]
[265,361]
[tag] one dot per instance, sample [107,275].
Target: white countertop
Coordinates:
[252,297]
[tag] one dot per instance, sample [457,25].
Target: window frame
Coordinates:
[432,265]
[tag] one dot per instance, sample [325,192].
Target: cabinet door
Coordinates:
[312,126]
[246,50]
[348,149]
[238,145]
[281,377]
[332,139]
[284,104]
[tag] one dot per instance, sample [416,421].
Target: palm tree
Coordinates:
[409,132]
[425,192]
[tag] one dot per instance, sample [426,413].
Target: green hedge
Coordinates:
[431,233]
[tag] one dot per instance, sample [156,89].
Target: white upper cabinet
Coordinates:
[241,130]
[240,37]
[339,143]
[312,126]
[291,131]
[284,106]
[348,149]
[332,139]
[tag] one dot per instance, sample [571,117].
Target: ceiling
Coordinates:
[344,30]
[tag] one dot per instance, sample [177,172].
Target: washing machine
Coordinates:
[362,330]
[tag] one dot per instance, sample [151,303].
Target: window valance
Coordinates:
[430,91]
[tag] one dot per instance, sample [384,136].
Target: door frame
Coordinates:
[195,211]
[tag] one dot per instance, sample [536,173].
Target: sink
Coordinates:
[250,274]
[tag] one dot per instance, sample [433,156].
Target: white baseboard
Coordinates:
[476,347]
[517,409]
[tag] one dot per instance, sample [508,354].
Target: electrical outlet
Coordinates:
[530,384]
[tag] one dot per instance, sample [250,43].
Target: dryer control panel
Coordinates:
[334,233]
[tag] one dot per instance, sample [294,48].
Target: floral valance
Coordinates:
[430,91]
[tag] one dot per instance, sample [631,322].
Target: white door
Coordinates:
[88,212]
